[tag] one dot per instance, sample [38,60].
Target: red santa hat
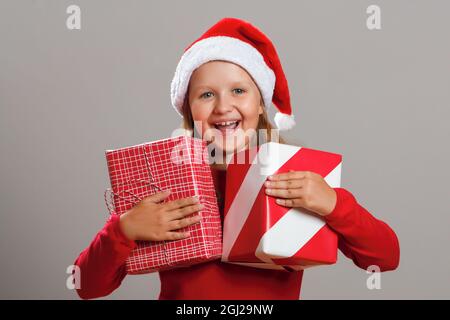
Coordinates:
[240,42]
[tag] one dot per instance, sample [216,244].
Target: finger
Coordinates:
[170,235]
[298,202]
[285,184]
[157,197]
[185,211]
[288,175]
[176,204]
[181,223]
[284,193]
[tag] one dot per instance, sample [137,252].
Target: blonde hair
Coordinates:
[263,123]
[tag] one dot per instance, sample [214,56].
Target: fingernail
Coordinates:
[269,190]
[267,183]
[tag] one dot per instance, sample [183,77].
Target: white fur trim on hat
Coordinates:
[227,49]
[284,121]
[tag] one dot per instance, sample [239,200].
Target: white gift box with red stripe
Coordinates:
[257,232]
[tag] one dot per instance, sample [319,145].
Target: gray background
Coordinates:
[380,98]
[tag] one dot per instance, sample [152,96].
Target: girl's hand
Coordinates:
[155,221]
[304,189]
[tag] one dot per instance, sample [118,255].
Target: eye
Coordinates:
[239,90]
[205,95]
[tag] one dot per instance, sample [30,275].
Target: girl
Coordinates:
[224,82]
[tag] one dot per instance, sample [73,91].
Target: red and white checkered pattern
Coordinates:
[258,232]
[176,164]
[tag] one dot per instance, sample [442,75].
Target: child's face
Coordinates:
[221,91]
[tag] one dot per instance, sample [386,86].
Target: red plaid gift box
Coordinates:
[176,164]
[258,232]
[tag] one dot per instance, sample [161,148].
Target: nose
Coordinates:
[223,104]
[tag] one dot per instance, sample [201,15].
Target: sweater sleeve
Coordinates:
[362,237]
[102,263]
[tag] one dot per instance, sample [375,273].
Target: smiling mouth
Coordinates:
[227,126]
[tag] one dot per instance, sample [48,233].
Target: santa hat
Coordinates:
[240,42]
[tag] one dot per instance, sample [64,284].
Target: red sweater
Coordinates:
[362,238]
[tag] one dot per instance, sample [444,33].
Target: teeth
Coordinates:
[227,123]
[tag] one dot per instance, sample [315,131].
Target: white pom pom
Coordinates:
[284,121]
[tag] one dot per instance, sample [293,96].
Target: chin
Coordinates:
[229,147]
[228,143]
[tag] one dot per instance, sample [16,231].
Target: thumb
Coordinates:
[157,197]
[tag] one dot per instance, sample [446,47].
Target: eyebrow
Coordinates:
[202,86]
[233,84]
[240,83]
